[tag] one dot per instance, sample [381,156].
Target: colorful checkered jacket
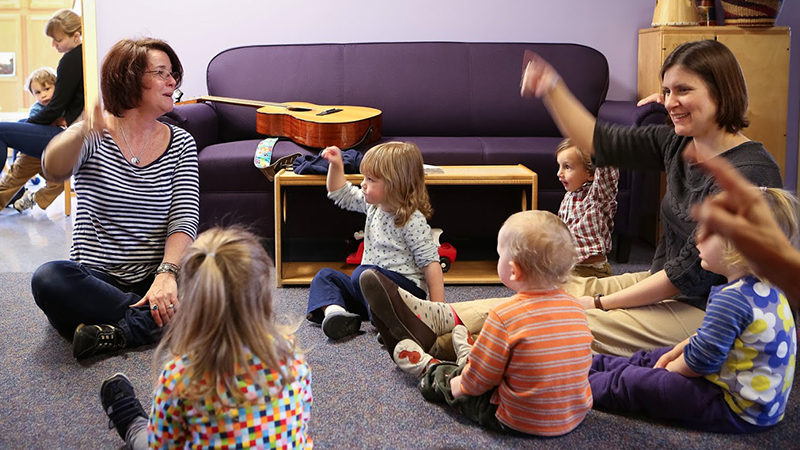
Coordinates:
[276,418]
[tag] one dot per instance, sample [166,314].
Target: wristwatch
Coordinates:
[168,267]
[597,303]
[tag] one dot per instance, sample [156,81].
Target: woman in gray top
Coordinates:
[706,97]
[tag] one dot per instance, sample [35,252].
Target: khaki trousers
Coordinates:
[23,169]
[619,332]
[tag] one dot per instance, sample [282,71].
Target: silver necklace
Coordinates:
[134,158]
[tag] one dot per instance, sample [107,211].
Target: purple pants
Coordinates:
[622,384]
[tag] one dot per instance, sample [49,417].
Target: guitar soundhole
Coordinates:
[298,109]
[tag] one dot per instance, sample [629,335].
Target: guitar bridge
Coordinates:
[329,111]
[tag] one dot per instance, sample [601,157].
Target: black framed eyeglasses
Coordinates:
[163,74]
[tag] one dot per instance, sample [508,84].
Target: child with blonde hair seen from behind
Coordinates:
[588,207]
[735,373]
[397,238]
[527,371]
[232,378]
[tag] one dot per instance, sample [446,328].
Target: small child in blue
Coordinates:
[397,239]
[735,374]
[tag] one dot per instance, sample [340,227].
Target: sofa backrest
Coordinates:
[423,88]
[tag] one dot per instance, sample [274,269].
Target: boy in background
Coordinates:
[588,208]
[41,84]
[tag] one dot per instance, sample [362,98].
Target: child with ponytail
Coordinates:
[232,378]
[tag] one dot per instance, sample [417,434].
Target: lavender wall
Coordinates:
[199,31]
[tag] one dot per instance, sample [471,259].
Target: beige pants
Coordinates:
[616,332]
[23,169]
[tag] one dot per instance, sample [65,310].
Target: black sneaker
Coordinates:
[91,339]
[120,403]
[341,324]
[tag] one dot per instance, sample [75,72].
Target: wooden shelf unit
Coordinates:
[461,272]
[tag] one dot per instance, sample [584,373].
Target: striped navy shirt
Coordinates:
[126,212]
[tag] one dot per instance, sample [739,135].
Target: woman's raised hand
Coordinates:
[94,120]
[539,78]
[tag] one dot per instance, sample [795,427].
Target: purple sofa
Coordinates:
[459,102]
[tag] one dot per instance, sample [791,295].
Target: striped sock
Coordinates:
[439,317]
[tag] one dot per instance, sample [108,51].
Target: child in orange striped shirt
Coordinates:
[528,371]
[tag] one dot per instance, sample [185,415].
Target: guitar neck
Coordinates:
[231,101]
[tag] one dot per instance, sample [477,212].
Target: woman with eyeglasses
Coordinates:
[138,210]
[65,107]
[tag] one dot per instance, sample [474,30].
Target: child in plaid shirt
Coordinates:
[588,208]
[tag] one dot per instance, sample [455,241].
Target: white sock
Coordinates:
[462,343]
[437,316]
[410,357]
[330,309]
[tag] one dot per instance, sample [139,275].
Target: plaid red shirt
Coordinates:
[589,213]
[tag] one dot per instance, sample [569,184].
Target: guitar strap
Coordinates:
[263,157]
[364,139]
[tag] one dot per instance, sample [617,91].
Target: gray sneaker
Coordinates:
[26,202]
[340,324]
[120,403]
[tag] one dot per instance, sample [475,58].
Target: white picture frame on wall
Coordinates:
[8,64]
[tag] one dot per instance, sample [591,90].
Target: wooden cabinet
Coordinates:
[763,54]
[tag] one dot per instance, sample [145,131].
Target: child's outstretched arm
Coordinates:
[435,280]
[335,179]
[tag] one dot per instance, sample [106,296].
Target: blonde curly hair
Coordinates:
[399,165]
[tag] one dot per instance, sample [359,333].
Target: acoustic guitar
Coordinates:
[309,124]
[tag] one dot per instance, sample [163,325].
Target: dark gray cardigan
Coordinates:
[657,147]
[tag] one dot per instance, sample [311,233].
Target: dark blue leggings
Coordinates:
[331,287]
[70,294]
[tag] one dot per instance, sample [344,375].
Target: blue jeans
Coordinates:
[331,287]
[70,294]
[29,138]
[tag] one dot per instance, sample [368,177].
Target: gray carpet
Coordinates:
[361,401]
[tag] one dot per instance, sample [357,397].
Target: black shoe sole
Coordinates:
[340,326]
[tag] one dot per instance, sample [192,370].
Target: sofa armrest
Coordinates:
[200,120]
[627,113]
